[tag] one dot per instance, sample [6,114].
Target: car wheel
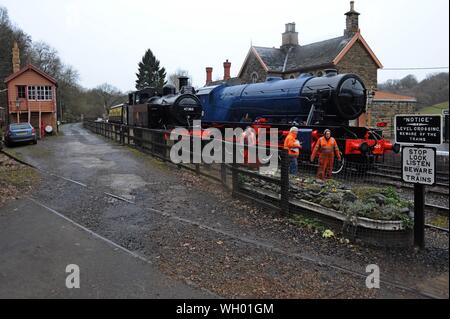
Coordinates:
[35,142]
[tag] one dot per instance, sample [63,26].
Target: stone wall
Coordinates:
[253,66]
[358,61]
[385,112]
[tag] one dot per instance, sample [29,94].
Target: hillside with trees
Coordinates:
[434,89]
[73,99]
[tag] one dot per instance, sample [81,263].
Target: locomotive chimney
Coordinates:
[352,23]
[209,71]
[183,82]
[226,70]
[16,58]
[289,37]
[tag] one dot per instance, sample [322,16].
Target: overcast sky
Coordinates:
[105,39]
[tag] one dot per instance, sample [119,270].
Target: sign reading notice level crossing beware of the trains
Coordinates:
[418,129]
[419,165]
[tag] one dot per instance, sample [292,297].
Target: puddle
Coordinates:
[123,184]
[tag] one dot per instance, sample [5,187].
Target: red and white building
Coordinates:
[32,98]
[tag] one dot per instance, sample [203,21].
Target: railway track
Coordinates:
[442,177]
[436,210]
[440,188]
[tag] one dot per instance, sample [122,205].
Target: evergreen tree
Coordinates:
[149,73]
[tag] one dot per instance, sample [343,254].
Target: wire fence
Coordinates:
[361,201]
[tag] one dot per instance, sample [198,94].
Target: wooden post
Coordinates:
[40,120]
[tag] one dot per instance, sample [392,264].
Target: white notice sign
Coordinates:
[419,165]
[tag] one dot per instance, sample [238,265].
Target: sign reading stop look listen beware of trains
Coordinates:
[419,164]
[418,129]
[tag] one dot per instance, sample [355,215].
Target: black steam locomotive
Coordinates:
[152,109]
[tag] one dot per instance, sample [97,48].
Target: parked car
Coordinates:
[20,132]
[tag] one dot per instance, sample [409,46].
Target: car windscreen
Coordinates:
[20,126]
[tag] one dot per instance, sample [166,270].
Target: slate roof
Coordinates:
[302,57]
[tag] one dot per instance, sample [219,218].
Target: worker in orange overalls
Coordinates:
[327,148]
[293,146]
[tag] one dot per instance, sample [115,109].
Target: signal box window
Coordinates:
[21,92]
[40,93]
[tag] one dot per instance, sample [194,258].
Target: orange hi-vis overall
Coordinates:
[327,149]
[292,145]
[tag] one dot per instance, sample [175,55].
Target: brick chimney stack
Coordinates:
[226,70]
[352,23]
[209,71]
[16,58]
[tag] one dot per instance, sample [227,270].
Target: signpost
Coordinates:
[419,161]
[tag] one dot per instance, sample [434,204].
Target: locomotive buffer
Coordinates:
[417,133]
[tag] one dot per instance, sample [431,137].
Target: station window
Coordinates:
[21,92]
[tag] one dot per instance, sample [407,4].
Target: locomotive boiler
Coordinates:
[329,100]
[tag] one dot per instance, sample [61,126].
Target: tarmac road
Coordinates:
[36,246]
[192,233]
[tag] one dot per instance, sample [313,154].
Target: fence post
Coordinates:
[284,179]
[234,174]
[223,165]
[122,135]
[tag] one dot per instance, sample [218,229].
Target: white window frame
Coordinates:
[40,93]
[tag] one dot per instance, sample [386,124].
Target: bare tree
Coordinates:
[109,96]
[46,58]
